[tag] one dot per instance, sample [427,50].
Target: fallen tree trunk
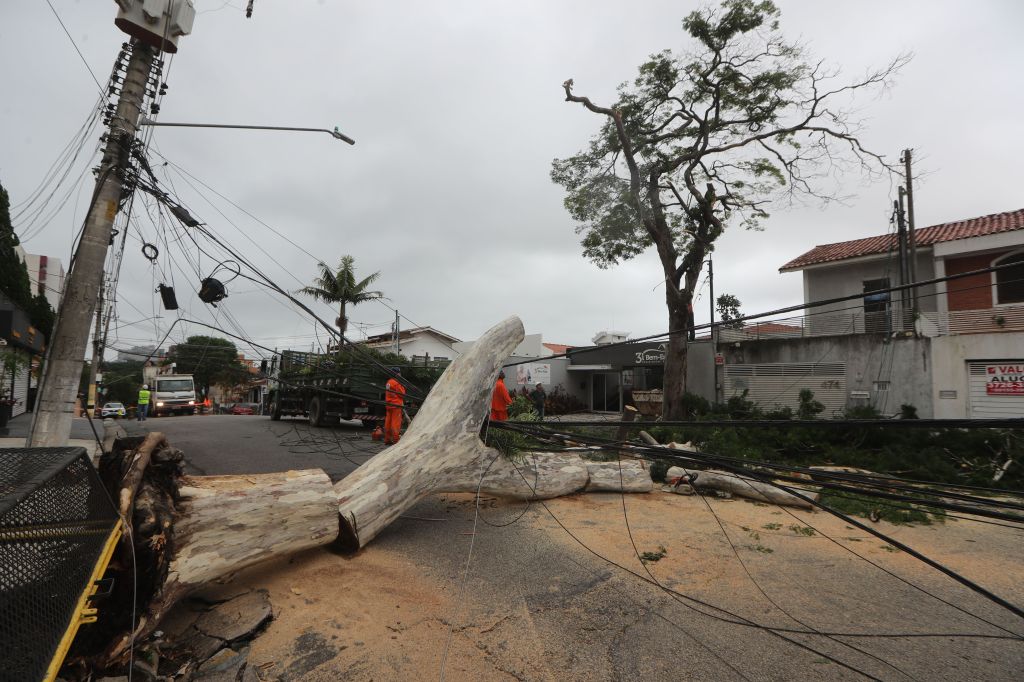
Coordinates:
[734,484]
[189,530]
[741,486]
[227,523]
[442,451]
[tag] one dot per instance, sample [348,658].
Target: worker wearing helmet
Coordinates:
[394,397]
[140,415]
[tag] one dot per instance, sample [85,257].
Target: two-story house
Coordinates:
[418,344]
[952,349]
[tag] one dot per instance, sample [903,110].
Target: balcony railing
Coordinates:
[984,321]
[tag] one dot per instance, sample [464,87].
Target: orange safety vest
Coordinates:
[394,392]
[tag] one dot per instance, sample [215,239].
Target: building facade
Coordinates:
[20,343]
[418,342]
[952,349]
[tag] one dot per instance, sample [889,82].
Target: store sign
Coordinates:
[719,359]
[651,356]
[532,374]
[1004,379]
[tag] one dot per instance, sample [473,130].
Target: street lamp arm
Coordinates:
[337,134]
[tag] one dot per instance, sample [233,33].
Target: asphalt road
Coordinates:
[589,620]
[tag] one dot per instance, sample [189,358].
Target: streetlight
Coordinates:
[336,134]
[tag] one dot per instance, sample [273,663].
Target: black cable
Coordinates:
[1005,423]
[636,551]
[777,311]
[99,442]
[756,475]
[875,480]
[75,45]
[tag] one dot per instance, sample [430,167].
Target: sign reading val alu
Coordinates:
[1004,379]
[533,374]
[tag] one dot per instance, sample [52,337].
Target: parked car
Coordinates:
[244,408]
[114,410]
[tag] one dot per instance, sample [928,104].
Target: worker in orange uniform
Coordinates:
[395,398]
[500,400]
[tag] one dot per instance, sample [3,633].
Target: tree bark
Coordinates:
[741,486]
[227,523]
[442,452]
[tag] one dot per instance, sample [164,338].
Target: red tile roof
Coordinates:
[926,236]
[774,328]
[557,348]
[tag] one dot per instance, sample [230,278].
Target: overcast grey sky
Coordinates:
[457,110]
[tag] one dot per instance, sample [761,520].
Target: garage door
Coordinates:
[777,385]
[996,388]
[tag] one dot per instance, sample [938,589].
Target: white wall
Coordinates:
[847,278]
[54,282]
[949,361]
[419,344]
[532,346]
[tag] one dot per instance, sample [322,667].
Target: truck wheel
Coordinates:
[316,411]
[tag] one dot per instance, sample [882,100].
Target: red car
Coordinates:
[243,408]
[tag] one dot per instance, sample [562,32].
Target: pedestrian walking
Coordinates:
[395,400]
[500,400]
[143,409]
[538,396]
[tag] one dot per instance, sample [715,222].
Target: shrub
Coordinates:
[559,401]
[520,406]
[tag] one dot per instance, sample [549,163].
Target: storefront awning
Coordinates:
[590,368]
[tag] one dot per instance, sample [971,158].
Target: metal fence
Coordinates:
[56,526]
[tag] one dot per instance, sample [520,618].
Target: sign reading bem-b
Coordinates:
[651,356]
[1004,379]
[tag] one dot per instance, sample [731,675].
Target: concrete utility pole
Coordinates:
[911,237]
[155,25]
[395,340]
[51,425]
[901,227]
[92,399]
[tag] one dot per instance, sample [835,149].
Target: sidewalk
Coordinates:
[81,434]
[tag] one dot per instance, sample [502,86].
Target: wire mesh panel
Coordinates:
[55,519]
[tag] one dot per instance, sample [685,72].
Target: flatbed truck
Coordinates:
[326,388]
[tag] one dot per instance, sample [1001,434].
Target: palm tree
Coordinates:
[341,287]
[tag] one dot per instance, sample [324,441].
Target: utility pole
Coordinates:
[97,353]
[395,342]
[911,237]
[714,346]
[901,227]
[154,26]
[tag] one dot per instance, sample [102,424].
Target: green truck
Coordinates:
[326,387]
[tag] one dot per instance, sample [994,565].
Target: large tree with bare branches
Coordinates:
[709,139]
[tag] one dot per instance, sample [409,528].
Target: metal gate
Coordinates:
[777,385]
[995,389]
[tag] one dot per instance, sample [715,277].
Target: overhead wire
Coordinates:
[843,664]
[754,474]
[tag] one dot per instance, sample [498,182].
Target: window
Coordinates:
[1009,282]
[171,385]
[876,305]
[876,298]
